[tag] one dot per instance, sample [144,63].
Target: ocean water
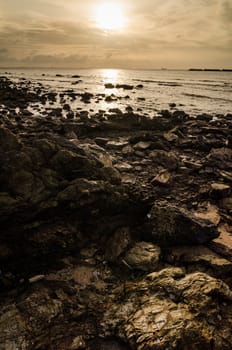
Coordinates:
[195,92]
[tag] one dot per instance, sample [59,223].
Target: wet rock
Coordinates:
[172,225]
[166,310]
[172,105]
[129,109]
[66,107]
[125,86]
[110,98]
[109,86]
[143,256]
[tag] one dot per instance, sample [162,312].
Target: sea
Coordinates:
[194,92]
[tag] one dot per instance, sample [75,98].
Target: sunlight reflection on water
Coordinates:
[110,75]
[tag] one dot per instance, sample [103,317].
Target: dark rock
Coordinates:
[220,157]
[8,141]
[117,244]
[109,86]
[171,225]
[125,86]
[219,190]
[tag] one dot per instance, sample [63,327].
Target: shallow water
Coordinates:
[193,92]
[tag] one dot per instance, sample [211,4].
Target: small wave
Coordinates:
[206,97]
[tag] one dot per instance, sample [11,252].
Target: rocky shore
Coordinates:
[116,229]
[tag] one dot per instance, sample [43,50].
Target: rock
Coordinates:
[200,258]
[36,278]
[142,146]
[110,98]
[208,212]
[143,256]
[166,310]
[172,105]
[172,225]
[117,145]
[219,190]
[163,178]
[129,179]
[223,244]
[166,159]
[125,86]
[226,203]
[129,109]
[117,244]
[109,86]
[220,158]
[127,150]
[78,343]
[8,141]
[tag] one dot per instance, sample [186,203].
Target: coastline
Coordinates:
[105,219]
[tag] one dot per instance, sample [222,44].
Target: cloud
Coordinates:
[176,32]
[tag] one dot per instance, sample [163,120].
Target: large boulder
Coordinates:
[171,225]
[167,310]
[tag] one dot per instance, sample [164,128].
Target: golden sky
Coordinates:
[116,33]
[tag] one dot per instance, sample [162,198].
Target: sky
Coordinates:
[174,34]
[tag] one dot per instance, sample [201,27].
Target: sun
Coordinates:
[109,16]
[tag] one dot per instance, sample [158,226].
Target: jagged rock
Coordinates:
[167,309]
[171,225]
[200,258]
[143,256]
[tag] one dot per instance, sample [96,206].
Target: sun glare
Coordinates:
[109,16]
